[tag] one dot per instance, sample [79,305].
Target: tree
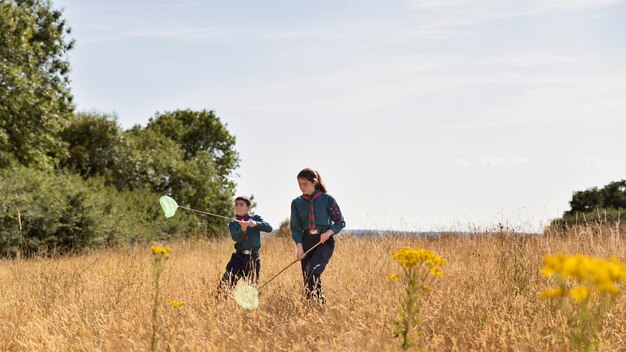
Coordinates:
[35,99]
[612,196]
[197,131]
[146,160]
[149,159]
[587,200]
[187,167]
[601,205]
[94,141]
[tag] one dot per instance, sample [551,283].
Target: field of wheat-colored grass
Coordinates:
[487,300]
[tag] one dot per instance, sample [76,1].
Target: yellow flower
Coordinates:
[553,293]
[603,275]
[392,277]
[425,288]
[164,251]
[579,293]
[436,271]
[412,257]
[608,287]
[175,304]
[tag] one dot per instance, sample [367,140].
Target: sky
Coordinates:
[420,115]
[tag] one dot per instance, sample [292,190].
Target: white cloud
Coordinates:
[506,160]
[176,33]
[572,5]
[601,162]
[530,7]
[446,14]
[462,162]
[492,161]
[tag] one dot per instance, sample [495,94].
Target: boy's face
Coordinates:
[241,207]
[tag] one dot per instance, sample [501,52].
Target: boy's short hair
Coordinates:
[244,198]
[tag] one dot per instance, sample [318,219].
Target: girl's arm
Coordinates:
[335,216]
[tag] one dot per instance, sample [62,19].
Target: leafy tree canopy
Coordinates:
[146,158]
[597,205]
[612,195]
[198,131]
[35,99]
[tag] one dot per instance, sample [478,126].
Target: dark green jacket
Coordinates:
[327,215]
[251,238]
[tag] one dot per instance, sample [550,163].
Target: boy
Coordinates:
[246,232]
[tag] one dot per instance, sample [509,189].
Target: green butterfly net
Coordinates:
[246,296]
[169,206]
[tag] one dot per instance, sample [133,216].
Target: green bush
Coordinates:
[283,229]
[599,216]
[45,213]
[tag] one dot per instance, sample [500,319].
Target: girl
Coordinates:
[315,217]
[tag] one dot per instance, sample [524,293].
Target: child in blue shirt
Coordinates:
[315,217]
[246,232]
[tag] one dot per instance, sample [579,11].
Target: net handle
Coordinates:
[290,264]
[205,213]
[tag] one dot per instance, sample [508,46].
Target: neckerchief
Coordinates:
[244,218]
[312,209]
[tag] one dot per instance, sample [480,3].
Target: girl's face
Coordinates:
[241,208]
[307,187]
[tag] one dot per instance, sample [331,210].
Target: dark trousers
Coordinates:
[314,264]
[241,265]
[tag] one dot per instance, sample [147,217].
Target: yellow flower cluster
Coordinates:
[412,257]
[176,304]
[163,251]
[604,276]
[393,277]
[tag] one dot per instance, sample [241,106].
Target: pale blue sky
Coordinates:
[420,115]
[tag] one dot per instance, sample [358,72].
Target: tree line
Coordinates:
[72,180]
[596,205]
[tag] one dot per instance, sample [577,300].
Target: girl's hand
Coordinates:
[299,251]
[326,235]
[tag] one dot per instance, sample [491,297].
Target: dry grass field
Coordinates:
[487,300]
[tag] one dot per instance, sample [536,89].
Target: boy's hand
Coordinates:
[251,223]
[244,225]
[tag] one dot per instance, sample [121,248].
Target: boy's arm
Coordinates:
[261,224]
[235,231]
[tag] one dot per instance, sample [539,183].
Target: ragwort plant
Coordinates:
[160,255]
[419,267]
[586,289]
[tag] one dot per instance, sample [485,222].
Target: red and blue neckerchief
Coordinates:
[244,218]
[312,209]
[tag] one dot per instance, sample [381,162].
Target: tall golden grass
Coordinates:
[487,299]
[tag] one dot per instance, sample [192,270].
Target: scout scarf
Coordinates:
[311,209]
[244,218]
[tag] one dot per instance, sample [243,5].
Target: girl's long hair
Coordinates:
[313,176]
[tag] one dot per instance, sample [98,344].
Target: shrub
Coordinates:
[45,213]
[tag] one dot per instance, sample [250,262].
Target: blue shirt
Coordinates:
[251,238]
[327,215]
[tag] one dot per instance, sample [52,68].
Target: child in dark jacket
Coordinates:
[246,232]
[315,217]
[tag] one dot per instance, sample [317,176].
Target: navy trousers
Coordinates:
[314,264]
[241,266]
